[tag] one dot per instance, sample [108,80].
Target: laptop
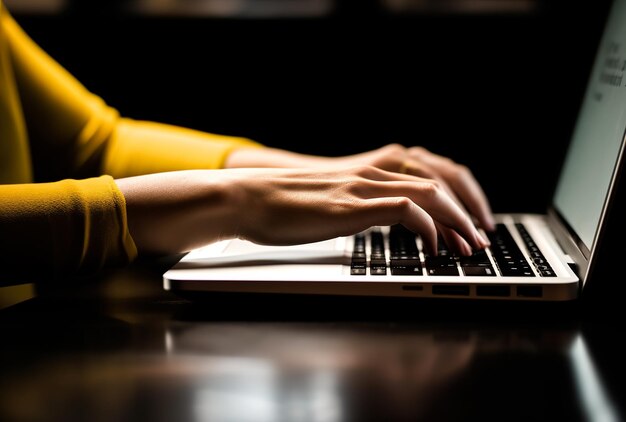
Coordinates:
[541,257]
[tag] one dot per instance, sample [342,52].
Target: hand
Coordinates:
[177,211]
[456,179]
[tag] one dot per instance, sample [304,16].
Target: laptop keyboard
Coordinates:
[406,258]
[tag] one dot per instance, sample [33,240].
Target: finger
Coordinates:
[474,198]
[416,168]
[380,175]
[420,170]
[454,242]
[423,154]
[424,171]
[413,172]
[433,199]
[400,210]
[462,181]
[416,172]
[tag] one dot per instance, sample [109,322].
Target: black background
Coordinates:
[498,92]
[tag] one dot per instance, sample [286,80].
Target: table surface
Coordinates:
[118,348]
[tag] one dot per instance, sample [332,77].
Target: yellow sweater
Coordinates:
[53,130]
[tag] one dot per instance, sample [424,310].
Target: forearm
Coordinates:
[174,212]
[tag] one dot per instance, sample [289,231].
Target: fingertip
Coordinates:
[431,246]
[479,242]
[467,250]
[489,223]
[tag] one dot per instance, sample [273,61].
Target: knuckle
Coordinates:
[431,188]
[403,204]
[394,147]
[435,184]
[345,206]
[356,186]
[363,170]
[392,150]
[461,171]
[427,174]
[417,151]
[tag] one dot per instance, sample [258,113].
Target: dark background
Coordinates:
[498,91]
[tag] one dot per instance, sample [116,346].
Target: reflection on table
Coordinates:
[140,354]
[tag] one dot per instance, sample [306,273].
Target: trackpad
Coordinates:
[243,253]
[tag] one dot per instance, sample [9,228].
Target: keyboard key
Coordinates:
[377,242]
[359,243]
[359,257]
[406,270]
[405,257]
[517,272]
[440,261]
[378,261]
[479,271]
[539,261]
[405,260]
[507,254]
[358,266]
[357,270]
[442,264]
[404,254]
[443,271]
[478,259]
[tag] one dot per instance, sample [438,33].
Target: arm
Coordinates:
[63,116]
[194,208]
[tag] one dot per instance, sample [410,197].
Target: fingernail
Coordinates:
[467,250]
[484,242]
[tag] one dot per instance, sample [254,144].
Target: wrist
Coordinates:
[178,211]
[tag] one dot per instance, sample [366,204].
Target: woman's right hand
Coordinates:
[178,211]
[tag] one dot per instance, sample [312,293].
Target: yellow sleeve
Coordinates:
[71,226]
[137,148]
[86,137]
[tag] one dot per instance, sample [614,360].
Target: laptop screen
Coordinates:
[598,135]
